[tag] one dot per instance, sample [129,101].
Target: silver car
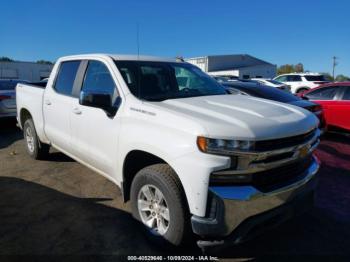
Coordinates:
[8,97]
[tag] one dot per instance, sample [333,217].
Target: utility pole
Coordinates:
[335,63]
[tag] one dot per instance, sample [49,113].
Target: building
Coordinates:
[29,71]
[241,66]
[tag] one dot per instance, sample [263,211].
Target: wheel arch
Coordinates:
[136,160]
[23,116]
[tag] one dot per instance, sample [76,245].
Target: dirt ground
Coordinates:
[59,207]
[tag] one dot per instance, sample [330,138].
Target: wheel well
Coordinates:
[302,88]
[133,163]
[24,115]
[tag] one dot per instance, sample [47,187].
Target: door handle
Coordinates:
[47,102]
[77,111]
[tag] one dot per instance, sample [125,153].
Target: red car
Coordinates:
[335,100]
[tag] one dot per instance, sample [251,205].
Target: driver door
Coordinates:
[94,133]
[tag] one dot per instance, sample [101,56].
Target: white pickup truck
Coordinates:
[190,157]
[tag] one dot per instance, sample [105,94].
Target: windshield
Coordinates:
[274,82]
[273,94]
[157,81]
[266,92]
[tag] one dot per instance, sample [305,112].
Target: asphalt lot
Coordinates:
[58,207]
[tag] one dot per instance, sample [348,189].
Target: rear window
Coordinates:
[325,93]
[66,76]
[315,78]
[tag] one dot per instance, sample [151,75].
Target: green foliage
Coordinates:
[328,76]
[44,62]
[5,59]
[342,78]
[289,68]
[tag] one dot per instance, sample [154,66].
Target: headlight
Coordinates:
[223,146]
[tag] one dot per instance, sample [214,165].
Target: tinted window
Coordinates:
[315,78]
[66,76]
[157,81]
[98,79]
[346,95]
[293,78]
[261,91]
[326,93]
[274,82]
[282,78]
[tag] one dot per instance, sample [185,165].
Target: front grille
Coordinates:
[268,180]
[268,145]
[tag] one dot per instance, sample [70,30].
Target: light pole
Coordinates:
[335,63]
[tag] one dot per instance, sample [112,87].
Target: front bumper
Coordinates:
[230,207]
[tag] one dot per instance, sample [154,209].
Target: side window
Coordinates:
[66,76]
[282,78]
[346,95]
[98,79]
[293,78]
[326,93]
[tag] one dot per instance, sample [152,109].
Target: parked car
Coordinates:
[300,82]
[225,78]
[273,83]
[262,91]
[335,100]
[8,97]
[185,154]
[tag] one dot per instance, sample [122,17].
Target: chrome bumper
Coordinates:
[235,204]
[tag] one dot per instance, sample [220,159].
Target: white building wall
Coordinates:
[264,71]
[201,62]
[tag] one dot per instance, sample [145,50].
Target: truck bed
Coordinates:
[29,98]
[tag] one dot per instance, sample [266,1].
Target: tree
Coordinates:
[44,62]
[342,78]
[5,59]
[328,76]
[299,68]
[289,68]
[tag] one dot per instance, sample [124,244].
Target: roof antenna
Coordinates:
[138,61]
[137,41]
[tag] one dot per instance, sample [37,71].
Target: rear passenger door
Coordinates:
[295,81]
[57,103]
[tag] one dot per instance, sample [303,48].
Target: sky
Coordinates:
[280,32]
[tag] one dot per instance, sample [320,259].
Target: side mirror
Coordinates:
[102,101]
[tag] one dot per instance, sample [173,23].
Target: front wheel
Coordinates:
[35,148]
[159,204]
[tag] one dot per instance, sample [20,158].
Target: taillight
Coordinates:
[4,97]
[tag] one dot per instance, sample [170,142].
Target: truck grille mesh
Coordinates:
[274,144]
[268,180]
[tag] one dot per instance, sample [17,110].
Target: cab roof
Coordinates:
[122,57]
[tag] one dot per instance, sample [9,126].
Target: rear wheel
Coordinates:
[35,148]
[302,90]
[158,203]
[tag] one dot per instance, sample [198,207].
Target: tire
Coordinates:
[163,178]
[35,148]
[301,90]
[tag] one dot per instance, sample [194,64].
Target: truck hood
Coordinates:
[243,117]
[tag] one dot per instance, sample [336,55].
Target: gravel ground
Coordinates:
[59,207]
